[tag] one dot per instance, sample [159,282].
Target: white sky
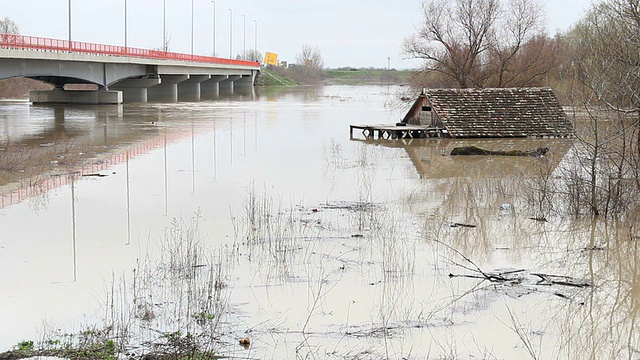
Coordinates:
[358,33]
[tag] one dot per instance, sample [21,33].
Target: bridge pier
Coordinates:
[226,86]
[135,90]
[134,95]
[210,89]
[167,90]
[245,80]
[189,90]
[61,96]
[244,86]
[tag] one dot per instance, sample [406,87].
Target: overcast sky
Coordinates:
[358,33]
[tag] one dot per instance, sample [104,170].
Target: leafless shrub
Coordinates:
[540,190]
[169,306]
[14,158]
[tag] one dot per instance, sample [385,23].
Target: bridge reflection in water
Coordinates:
[68,143]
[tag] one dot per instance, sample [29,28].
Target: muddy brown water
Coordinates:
[321,247]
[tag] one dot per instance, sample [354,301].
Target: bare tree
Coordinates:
[479,43]
[251,55]
[519,52]
[166,41]
[8,31]
[309,67]
[608,52]
[310,57]
[8,26]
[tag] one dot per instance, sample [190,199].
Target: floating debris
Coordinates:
[245,342]
[454,225]
[474,150]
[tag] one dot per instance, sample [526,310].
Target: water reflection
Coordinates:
[128,196]
[593,249]
[193,161]
[605,326]
[431,156]
[215,152]
[73,230]
[322,245]
[79,134]
[493,194]
[166,174]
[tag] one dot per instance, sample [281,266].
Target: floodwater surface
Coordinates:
[257,217]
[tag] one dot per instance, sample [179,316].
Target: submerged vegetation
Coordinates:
[168,307]
[424,265]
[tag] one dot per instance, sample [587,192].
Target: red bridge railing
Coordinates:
[22,42]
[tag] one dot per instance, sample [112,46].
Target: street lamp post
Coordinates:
[69,24]
[125,26]
[244,37]
[230,34]
[255,38]
[214,28]
[164,25]
[191,27]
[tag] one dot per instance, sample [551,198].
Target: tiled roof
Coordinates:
[507,112]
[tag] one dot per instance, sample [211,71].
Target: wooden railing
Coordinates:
[22,42]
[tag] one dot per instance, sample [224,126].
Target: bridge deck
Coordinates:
[22,42]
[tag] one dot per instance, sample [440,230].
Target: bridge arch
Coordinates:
[60,73]
[60,81]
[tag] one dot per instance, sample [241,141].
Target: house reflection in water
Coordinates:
[431,157]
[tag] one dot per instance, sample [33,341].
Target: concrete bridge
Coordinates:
[122,74]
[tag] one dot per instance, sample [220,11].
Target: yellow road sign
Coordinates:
[271,58]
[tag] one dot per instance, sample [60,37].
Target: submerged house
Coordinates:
[491,113]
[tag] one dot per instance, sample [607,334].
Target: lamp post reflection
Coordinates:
[128,201]
[166,175]
[215,152]
[193,160]
[73,227]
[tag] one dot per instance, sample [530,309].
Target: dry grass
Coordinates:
[172,306]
